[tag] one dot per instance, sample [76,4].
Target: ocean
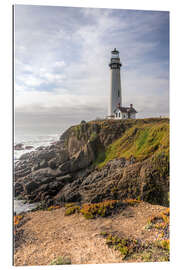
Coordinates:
[35,141]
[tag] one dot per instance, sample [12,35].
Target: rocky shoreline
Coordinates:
[66,170]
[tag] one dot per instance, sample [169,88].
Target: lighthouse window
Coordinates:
[118,93]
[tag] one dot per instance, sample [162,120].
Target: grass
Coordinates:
[93,136]
[61,261]
[140,141]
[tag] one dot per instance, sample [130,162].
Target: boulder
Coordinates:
[43,164]
[19,146]
[28,147]
[18,188]
[25,156]
[65,167]
[64,179]
[40,148]
[52,163]
[30,187]
[45,154]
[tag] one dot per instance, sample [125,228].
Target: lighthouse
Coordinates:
[115,109]
[115,87]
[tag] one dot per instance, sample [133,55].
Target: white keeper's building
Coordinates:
[115,109]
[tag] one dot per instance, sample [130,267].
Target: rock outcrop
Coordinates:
[79,166]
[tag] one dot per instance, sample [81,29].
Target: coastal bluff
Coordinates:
[99,160]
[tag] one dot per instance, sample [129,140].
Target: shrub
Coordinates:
[61,261]
[83,122]
[17,219]
[164,244]
[93,136]
[163,217]
[53,207]
[123,245]
[72,210]
[68,205]
[102,209]
[161,223]
[131,201]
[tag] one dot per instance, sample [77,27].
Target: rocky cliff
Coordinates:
[98,160]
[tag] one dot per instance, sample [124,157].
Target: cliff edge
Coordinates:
[97,161]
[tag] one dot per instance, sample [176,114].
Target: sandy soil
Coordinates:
[46,235]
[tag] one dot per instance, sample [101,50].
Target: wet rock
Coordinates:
[22,173]
[19,146]
[53,163]
[25,156]
[65,178]
[30,187]
[40,148]
[18,188]
[43,164]
[28,147]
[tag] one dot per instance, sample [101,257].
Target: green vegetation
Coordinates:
[100,157]
[53,207]
[160,223]
[93,136]
[125,246]
[140,141]
[61,261]
[134,249]
[72,210]
[102,209]
[77,131]
[164,244]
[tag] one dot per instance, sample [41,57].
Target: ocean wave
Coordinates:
[33,140]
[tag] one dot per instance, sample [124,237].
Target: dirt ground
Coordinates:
[47,235]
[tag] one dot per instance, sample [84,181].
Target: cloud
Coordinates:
[62,56]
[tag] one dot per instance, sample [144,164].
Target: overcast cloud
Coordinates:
[61,64]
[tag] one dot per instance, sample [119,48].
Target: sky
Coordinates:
[61,58]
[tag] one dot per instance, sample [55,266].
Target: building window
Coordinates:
[118,93]
[119,114]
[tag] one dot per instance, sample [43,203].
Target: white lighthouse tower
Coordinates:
[115,89]
[115,109]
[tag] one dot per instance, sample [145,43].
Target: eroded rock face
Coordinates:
[65,172]
[118,180]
